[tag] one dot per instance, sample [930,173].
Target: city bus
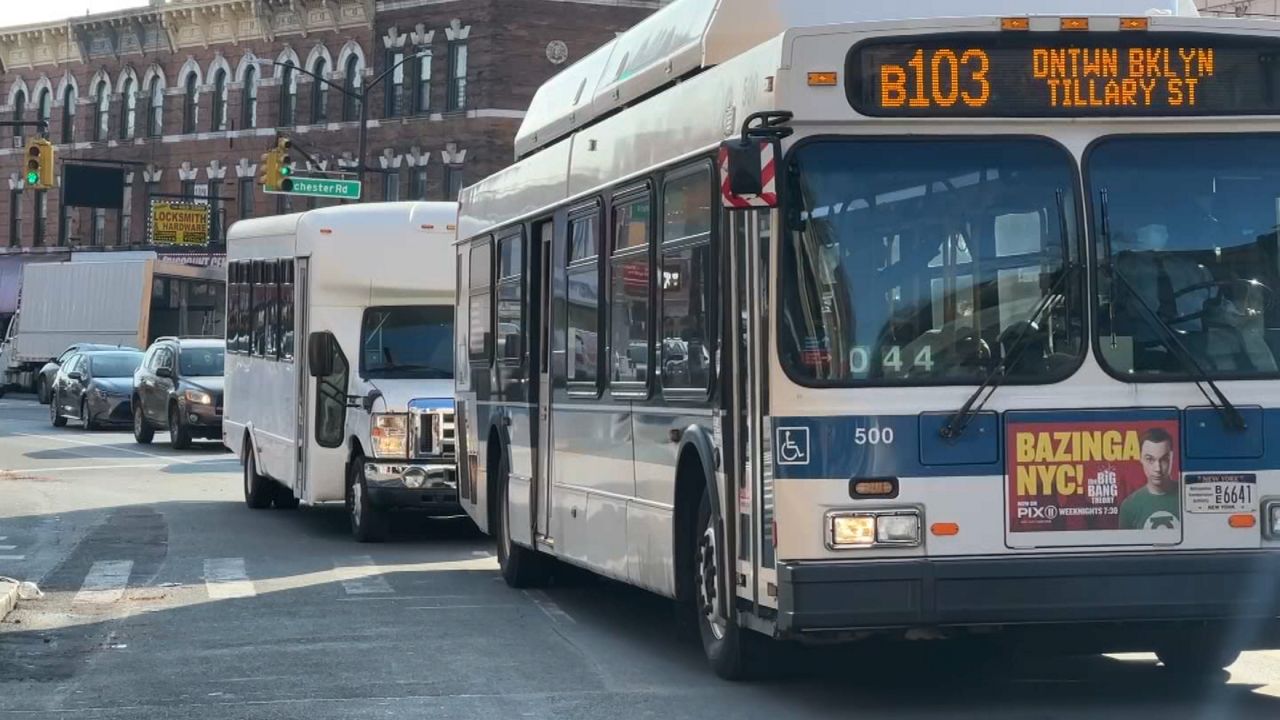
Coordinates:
[339,364]
[837,321]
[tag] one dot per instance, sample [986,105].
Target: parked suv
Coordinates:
[179,388]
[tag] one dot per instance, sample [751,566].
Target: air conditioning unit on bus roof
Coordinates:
[689,35]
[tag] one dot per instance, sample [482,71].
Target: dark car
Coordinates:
[94,388]
[44,378]
[179,388]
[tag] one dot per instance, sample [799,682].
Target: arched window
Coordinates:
[19,111]
[190,104]
[128,110]
[219,101]
[352,82]
[43,111]
[288,95]
[102,112]
[155,108]
[319,94]
[69,114]
[250,110]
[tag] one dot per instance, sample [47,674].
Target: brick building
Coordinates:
[192,92]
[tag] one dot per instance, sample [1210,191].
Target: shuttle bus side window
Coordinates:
[686,283]
[271,290]
[259,312]
[480,321]
[510,352]
[582,313]
[630,346]
[241,334]
[232,284]
[286,309]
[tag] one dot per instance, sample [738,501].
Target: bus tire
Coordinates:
[143,433]
[733,652]
[521,567]
[1197,655]
[368,524]
[257,488]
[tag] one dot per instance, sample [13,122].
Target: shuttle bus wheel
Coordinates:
[257,489]
[368,524]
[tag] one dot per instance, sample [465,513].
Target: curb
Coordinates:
[8,598]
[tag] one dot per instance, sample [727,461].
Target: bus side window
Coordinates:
[286,309]
[630,346]
[685,283]
[479,330]
[258,336]
[510,350]
[271,292]
[582,315]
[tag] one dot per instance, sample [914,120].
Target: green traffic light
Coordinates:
[286,170]
[33,177]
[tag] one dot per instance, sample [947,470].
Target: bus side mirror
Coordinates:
[320,354]
[747,173]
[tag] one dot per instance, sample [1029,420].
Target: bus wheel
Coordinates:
[368,524]
[257,489]
[1197,655]
[521,566]
[733,652]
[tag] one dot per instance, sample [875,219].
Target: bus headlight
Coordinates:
[1271,519]
[390,433]
[847,530]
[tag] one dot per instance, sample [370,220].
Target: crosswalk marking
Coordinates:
[8,547]
[360,576]
[13,557]
[225,578]
[105,582]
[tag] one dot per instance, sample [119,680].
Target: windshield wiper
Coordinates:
[960,419]
[1231,417]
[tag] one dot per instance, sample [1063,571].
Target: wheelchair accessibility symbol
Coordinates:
[793,446]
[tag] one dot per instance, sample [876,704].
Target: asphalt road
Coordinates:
[166,597]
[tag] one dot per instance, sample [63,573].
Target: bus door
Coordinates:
[541,252]
[302,321]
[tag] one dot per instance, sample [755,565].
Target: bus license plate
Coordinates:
[1222,493]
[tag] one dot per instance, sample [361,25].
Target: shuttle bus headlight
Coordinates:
[198,397]
[390,435]
[847,530]
[1271,519]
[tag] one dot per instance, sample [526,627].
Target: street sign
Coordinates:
[174,222]
[322,187]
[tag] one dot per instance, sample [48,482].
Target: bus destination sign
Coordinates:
[1065,75]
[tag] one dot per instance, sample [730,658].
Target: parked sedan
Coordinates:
[94,388]
[44,378]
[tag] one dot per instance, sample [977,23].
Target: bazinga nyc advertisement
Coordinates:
[1106,476]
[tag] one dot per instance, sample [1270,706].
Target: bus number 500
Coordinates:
[940,79]
[873,436]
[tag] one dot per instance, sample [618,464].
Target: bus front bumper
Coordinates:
[394,485]
[817,597]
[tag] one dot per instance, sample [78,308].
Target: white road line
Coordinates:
[8,547]
[13,557]
[60,438]
[71,468]
[360,576]
[225,578]
[105,582]
[549,607]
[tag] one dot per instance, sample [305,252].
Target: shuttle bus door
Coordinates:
[542,483]
[302,323]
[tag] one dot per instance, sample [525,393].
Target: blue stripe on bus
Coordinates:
[813,448]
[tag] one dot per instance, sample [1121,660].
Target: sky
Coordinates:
[22,12]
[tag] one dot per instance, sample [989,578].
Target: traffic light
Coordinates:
[39,164]
[277,168]
[284,173]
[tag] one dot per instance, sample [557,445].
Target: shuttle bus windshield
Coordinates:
[407,342]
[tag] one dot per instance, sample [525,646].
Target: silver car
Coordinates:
[44,379]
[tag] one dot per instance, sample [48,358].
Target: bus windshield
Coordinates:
[409,342]
[924,262]
[1190,224]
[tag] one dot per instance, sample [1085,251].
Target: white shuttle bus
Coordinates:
[339,373]
[923,318]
